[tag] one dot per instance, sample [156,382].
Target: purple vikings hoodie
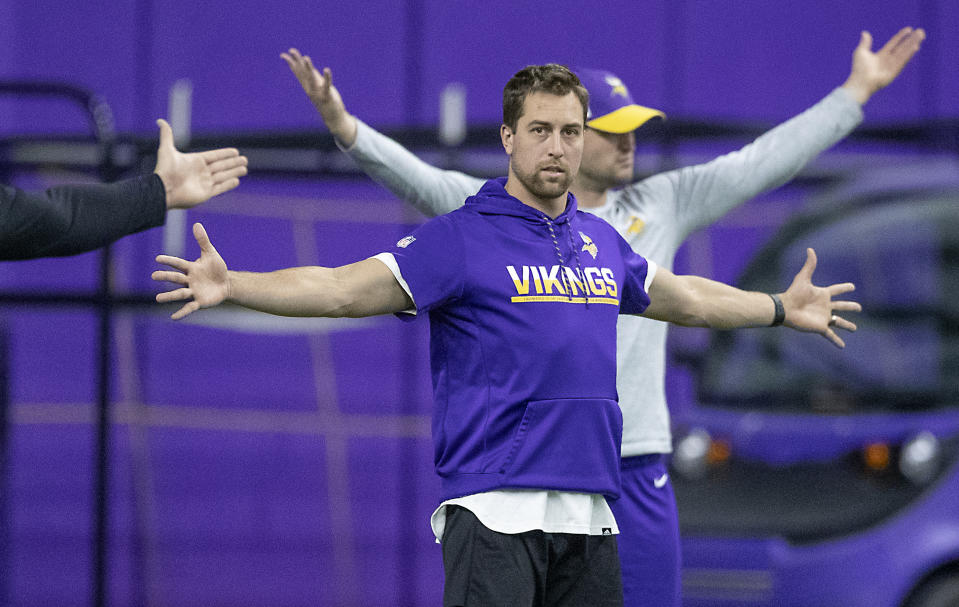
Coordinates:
[522,313]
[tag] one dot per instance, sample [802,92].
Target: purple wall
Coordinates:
[746,60]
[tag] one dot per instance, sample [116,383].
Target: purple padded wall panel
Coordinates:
[940,78]
[749,59]
[231,53]
[766,61]
[187,365]
[52,274]
[47,344]
[240,518]
[399,352]
[7,46]
[483,44]
[89,44]
[49,553]
[393,536]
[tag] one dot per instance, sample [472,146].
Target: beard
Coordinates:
[607,177]
[542,185]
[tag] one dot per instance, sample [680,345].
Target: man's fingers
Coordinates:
[298,65]
[174,295]
[865,41]
[187,309]
[168,276]
[908,46]
[199,233]
[904,38]
[211,156]
[809,266]
[841,323]
[228,164]
[224,186]
[847,306]
[895,40]
[293,63]
[835,339]
[174,262]
[166,133]
[228,173]
[291,56]
[840,288]
[231,175]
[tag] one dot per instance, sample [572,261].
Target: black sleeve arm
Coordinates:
[72,219]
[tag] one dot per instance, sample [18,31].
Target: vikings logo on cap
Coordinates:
[611,108]
[617,85]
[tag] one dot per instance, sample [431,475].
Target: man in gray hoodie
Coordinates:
[654,215]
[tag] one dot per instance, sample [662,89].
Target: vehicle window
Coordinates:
[903,256]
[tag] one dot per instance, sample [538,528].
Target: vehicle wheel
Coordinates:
[942,591]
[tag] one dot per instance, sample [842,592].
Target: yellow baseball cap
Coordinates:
[611,107]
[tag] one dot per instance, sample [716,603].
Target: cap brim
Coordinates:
[625,119]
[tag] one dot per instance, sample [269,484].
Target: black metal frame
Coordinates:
[103,133]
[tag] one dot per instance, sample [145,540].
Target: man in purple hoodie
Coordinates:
[522,292]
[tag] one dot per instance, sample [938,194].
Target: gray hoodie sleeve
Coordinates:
[431,190]
[701,194]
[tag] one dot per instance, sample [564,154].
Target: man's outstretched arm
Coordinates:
[72,219]
[705,192]
[364,288]
[431,190]
[693,301]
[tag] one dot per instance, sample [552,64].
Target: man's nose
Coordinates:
[555,145]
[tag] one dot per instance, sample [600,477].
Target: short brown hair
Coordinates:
[550,78]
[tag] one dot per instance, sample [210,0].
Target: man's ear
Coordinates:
[506,136]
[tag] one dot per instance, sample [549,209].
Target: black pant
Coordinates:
[531,569]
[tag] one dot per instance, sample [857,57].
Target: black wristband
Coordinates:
[780,315]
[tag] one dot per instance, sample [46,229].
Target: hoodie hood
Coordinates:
[493,199]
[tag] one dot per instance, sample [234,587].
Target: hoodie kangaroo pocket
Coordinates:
[568,444]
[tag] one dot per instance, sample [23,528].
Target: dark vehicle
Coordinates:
[809,475]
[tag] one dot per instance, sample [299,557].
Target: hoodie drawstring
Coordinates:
[562,263]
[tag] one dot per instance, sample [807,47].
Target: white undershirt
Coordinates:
[519,510]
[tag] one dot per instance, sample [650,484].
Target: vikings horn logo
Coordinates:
[617,85]
[588,245]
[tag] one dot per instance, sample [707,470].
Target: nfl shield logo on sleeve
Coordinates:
[405,242]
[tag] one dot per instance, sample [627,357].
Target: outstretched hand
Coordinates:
[811,309]
[193,178]
[872,71]
[327,100]
[205,281]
